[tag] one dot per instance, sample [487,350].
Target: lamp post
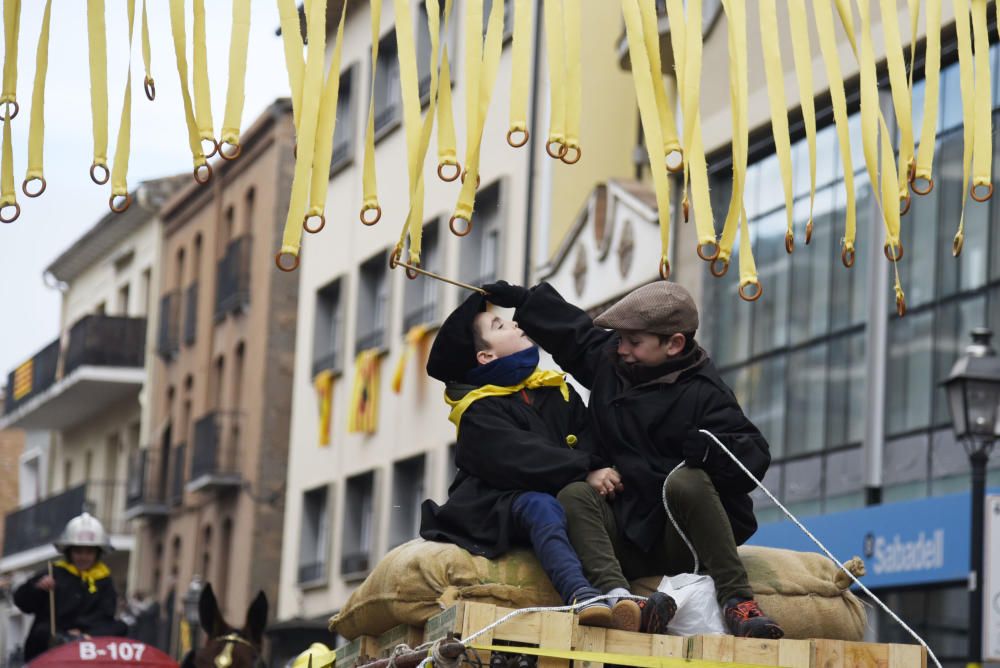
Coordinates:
[973,389]
[191,598]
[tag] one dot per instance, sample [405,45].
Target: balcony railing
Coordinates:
[354,563]
[177,479]
[213,461]
[312,572]
[191,314]
[374,339]
[330,360]
[32,378]
[232,286]
[102,340]
[168,336]
[146,489]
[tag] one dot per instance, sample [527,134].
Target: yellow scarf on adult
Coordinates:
[537,379]
[89,576]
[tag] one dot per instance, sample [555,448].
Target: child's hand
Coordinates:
[46,583]
[605,481]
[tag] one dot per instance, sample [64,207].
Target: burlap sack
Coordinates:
[801,590]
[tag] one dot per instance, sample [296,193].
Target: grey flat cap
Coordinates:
[661,308]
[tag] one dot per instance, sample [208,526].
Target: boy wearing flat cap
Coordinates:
[652,389]
[523,435]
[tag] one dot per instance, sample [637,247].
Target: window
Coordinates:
[408,492]
[343,133]
[480,255]
[388,103]
[356,559]
[314,537]
[422,295]
[147,295]
[228,226]
[328,335]
[248,210]
[218,382]
[123,294]
[373,303]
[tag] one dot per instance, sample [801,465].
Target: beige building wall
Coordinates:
[11,447]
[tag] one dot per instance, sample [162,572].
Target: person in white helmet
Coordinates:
[85,597]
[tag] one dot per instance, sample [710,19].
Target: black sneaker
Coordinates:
[657,611]
[745,619]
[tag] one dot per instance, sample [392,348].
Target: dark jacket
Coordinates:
[76,608]
[508,445]
[643,428]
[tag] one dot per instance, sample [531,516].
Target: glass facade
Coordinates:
[799,358]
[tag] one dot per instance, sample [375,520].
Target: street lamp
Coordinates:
[191,598]
[973,389]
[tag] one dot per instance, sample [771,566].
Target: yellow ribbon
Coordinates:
[775,75]
[901,89]
[967,88]
[202,95]
[323,384]
[98,88]
[932,85]
[317,656]
[664,107]
[90,576]
[574,83]
[291,39]
[147,57]
[555,54]
[363,416]
[36,130]
[537,379]
[982,107]
[11,29]
[447,152]
[802,53]
[369,184]
[177,29]
[517,135]
[8,197]
[237,79]
[119,167]
[414,336]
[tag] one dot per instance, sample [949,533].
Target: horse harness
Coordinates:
[224,659]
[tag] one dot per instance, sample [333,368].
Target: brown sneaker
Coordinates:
[597,614]
[626,615]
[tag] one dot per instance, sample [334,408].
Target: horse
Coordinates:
[228,647]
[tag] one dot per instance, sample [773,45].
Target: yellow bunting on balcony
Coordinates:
[802,54]
[119,167]
[369,184]
[98,90]
[363,416]
[202,170]
[838,99]
[147,57]
[202,94]
[901,89]
[923,180]
[447,151]
[235,96]
[414,336]
[23,378]
[517,135]
[36,129]
[775,75]
[323,384]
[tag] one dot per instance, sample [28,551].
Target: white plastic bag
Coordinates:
[697,610]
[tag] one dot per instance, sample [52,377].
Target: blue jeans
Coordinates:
[541,521]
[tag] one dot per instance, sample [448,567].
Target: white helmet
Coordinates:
[84,530]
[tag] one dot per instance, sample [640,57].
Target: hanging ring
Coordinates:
[847,256]
[562,149]
[314,230]
[394,258]
[754,296]
[24,186]
[448,178]
[17,212]
[513,132]
[956,245]
[911,171]
[215,146]
[237,149]
[664,269]
[150,88]
[378,214]
[478,179]
[890,255]
[706,256]
[576,158]
[207,171]
[455,230]
[412,273]
[922,190]
[809,231]
[686,210]
[715,267]
[9,116]
[907,200]
[678,167]
[974,191]
[121,208]
[900,305]
[93,175]
[789,242]
[284,266]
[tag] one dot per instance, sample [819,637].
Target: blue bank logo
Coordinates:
[895,555]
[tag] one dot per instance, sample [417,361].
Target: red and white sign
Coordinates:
[104,652]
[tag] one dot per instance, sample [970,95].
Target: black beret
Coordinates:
[454,352]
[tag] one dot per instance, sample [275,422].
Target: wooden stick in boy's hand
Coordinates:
[396,262]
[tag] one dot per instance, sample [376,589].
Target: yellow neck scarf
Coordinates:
[537,379]
[90,576]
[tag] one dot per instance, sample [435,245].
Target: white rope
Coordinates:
[670,515]
[827,552]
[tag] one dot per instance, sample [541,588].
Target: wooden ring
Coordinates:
[24,186]
[576,159]
[907,200]
[122,208]
[809,232]
[562,149]
[284,267]
[789,242]
[686,210]
[208,173]
[93,176]
[755,296]
[411,274]
[900,305]
[378,214]
[478,179]
[847,257]
[17,212]
[9,116]
[922,191]
[708,257]
[679,167]
[975,188]
[468,226]
[514,132]
[150,88]
[887,249]
[664,269]
[215,146]
[719,273]
[237,149]
[314,230]
[394,258]
[447,179]
[956,245]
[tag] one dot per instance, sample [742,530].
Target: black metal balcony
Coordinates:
[177,479]
[102,340]
[232,285]
[213,461]
[32,378]
[191,314]
[146,490]
[168,336]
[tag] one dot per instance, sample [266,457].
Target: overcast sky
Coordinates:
[72,203]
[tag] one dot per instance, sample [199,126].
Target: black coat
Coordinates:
[643,428]
[508,445]
[76,608]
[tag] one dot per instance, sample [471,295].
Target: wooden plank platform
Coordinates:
[561,631]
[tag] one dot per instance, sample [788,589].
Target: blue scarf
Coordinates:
[505,371]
